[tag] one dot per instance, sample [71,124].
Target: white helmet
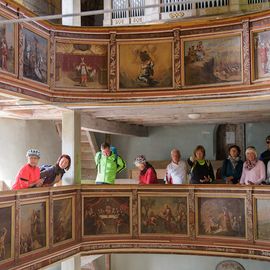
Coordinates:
[33,152]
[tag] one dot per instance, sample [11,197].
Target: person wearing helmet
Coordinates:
[148,174]
[29,175]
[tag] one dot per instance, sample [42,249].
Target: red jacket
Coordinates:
[149,177]
[27,176]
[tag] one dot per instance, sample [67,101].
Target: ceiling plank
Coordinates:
[90,123]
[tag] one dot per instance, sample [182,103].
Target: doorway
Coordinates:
[227,135]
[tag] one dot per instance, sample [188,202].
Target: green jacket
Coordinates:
[108,167]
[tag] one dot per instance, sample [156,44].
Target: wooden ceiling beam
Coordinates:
[90,123]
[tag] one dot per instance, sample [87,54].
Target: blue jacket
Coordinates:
[228,170]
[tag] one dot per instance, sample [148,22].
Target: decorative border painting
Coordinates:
[63,220]
[261,54]
[209,60]
[81,65]
[162,215]
[7,46]
[33,226]
[35,56]
[262,218]
[6,232]
[145,65]
[106,215]
[221,217]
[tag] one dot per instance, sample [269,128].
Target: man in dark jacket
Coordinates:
[265,156]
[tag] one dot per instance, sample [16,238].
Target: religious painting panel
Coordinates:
[163,215]
[81,65]
[212,60]
[63,220]
[33,226]
[145,65]
[35,56]
[221,217]
[6,232]
[261,54]
[7,46]
[106,215]
[262,218]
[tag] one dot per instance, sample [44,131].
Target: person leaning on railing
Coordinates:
[148,174]
[232,166]
[52,174]
[253,170]
[29,175]
[201,169]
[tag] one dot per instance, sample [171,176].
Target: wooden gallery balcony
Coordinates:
[42,226]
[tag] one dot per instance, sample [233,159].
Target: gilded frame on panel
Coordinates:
[7,16]
[226,224]
[59,198]
[144,77]
[107,213]
[210,64]
[166,219]
[264,53]
[28,50]
[256,221]
[44,201]
[12,232]
[80,42]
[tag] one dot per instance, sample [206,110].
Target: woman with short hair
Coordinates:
[253,170]
[232,166]
[148,174]
[201,169]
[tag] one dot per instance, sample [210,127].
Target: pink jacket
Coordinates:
[255,175]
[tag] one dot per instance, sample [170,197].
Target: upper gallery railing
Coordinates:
[174,9]
[219,58]
[41,226]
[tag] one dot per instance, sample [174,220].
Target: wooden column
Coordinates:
[71,145]
[108,262]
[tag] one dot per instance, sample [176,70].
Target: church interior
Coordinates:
[94,95]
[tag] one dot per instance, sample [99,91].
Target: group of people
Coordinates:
[234,170]
[31,175]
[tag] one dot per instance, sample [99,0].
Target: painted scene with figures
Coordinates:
[212,61]
[221,217]
[33,226]
[106,215]
[163,215]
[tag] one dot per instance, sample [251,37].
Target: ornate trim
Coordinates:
[113,63]
[246,53]
[177,58]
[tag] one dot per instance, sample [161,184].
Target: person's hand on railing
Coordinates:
[39,183]
[206,180]
[229,179]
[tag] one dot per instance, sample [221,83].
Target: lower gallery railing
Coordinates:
[41,226]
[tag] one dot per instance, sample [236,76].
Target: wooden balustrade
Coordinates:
[41,226]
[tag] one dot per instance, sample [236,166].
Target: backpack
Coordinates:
[44,167]
[114,151]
